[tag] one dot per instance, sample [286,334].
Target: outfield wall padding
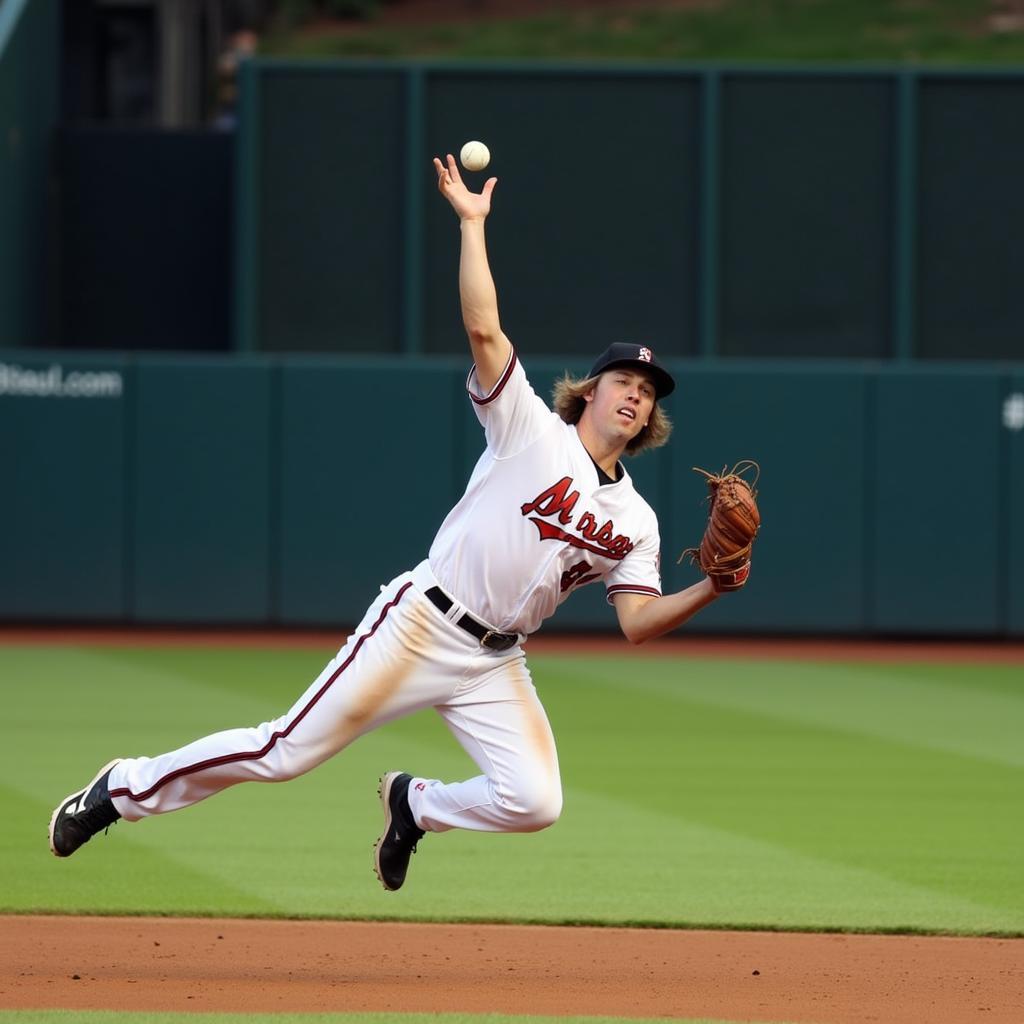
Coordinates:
[273,491]
[66,491]
[937,559]
[365,478]
[202,461]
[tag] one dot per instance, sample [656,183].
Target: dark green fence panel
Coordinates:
[712,211]
[366,479]
[29,72]
[937,550]
[329,200]
[806,209]
[62,514]
[202,458]
[1013,501]
[971,218]
[593,236]
[804,426]
[146,239]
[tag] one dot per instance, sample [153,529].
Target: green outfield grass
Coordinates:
[699,792]
[940,31]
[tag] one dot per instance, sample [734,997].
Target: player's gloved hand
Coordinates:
[723,582]
[733,523]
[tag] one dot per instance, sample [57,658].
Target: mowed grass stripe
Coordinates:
[687,873]
[105,706]
[915,816]
[678,810]
[302,848]
[977,677]
[656,871]
[651,867]
[277,676]
[109,876]
[952,712]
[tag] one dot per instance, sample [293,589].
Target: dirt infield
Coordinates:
[153,964]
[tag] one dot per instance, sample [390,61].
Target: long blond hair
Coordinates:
[569,402]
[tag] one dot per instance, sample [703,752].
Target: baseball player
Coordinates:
[549,508]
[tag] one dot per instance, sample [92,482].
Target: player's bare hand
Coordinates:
[468,205]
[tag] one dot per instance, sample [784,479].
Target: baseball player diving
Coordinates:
[549,508]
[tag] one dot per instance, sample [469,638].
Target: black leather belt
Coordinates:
[489,638]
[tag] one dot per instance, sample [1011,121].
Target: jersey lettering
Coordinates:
[577,574]
[537,471]
[557,500]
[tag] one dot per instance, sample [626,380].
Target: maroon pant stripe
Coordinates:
[255,755]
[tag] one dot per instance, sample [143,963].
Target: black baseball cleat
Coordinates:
[81,815]
[392,852]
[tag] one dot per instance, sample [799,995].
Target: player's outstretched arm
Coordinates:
[644,618]
[479,297]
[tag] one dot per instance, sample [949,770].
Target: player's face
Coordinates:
[622,402]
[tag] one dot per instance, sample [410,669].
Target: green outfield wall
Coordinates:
[29,62]
[713,211]
[145,221]
[285,490]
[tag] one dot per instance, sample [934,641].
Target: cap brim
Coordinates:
[664,382]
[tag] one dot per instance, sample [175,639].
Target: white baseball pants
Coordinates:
[404,656]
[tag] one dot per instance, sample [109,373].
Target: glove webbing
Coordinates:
[723,564]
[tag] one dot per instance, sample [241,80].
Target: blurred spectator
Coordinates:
[241,45]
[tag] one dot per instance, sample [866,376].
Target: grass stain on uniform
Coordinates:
[375,694]
[537,728]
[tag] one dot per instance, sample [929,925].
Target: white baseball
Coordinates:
[474,156]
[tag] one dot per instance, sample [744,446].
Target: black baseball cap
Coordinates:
[639,357]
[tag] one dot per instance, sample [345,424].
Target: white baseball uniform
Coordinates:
[534,524]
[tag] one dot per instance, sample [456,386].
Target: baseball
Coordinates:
[475,156]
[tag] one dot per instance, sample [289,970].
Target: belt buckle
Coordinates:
[495,641]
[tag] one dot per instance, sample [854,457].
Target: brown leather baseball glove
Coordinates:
[733,522]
